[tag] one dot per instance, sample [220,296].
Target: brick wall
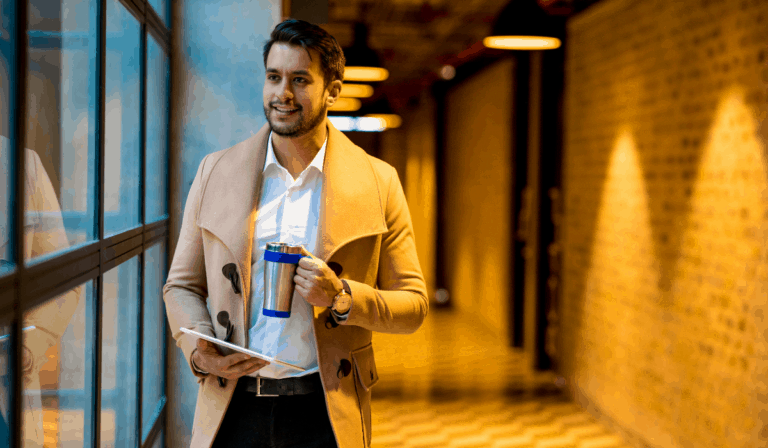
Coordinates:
[664,300]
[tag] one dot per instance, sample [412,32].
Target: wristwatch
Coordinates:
[342,302]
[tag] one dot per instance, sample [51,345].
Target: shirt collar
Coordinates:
[317,162]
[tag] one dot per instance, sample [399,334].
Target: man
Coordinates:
[44,233]
[299,181]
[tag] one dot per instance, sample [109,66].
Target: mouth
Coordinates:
[284,110]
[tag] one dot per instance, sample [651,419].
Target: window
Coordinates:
[84,94]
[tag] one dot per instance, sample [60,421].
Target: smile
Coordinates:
[284,110]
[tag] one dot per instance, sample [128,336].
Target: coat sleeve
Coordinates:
[185,292]
[399,304]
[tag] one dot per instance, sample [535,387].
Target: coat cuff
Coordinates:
[188,344]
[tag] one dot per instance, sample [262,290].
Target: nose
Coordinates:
[285,93]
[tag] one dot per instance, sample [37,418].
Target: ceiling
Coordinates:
[415,38]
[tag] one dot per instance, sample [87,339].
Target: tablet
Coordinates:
[241,349]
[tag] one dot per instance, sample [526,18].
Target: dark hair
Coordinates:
[310,36]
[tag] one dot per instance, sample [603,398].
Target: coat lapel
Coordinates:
[352,205]
[230,199]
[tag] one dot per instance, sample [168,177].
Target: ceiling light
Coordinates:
[523,25]
[346,105]
[356,91]
[447,72]
[362,62]
[365,74]
[522,42]
[391,121]
[358,124]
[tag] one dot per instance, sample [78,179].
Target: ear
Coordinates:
[334,90]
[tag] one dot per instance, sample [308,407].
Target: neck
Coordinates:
[296,153]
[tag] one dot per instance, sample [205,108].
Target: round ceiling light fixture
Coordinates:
[523,25]
[362,62]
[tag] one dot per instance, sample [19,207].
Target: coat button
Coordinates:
[335,267]
[344,369]
[330,322]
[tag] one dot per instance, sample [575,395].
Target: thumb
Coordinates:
[202,344]
[306,253]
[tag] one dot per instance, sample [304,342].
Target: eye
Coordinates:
[272,77]
[300,80]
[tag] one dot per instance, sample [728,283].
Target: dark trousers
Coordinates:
[275,422]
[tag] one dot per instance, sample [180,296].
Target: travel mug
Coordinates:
[280,261]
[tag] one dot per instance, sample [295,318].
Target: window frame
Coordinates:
[29,284]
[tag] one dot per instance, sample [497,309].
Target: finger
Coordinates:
[202,344]
[246,368]
[306,273]
[239,366]
[303,292]
[304,281]
[306,263]
[257,366]
[230,360]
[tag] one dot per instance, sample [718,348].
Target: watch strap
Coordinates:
[336,315]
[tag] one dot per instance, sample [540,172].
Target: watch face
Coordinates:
[341,303]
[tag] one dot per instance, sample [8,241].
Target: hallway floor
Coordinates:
[453,384]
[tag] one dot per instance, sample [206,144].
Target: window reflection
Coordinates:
[5,383]
[156,205]
[119,355]
[153,350]
[121,139]
[61,95]
[5,126]
[56,392]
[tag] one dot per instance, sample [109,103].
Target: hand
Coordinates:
[315,281]
[231,367]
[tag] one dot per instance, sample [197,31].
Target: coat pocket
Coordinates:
[365,367]
[366,377]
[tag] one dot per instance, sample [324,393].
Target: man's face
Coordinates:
[295,97]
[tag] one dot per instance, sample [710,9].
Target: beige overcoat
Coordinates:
[365,227]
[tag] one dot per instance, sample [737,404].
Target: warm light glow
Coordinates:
[391,121]
[621,283]
[358,124]
[365,74]
[346,105]
[447,72]
[522,42]
[356,91]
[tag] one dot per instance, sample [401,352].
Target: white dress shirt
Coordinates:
[288,212]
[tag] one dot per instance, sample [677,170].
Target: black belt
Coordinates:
[269,387]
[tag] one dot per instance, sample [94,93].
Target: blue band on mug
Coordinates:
[281,257]
[273,313]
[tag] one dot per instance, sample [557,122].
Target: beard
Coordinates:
[302,124]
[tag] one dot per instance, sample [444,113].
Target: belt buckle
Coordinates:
[258,389]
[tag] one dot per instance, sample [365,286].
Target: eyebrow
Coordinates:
[295,72]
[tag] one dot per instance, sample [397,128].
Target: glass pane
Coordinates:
[161,8]
[121,139]
[160,440]
[119,355]
[153,350]
[6,72]
[57,388]
[61,141]
[156,201]
[5,382]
